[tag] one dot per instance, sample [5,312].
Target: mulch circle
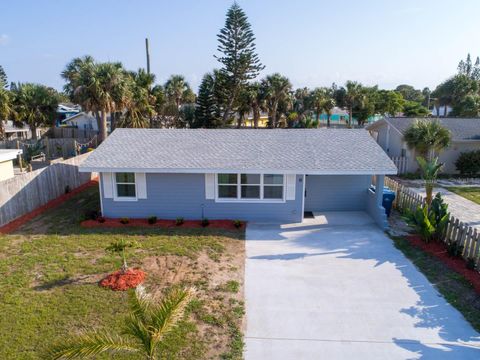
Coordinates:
[189,224]
[439,250]
[122,281]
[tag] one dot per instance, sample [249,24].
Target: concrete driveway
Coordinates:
[336,288]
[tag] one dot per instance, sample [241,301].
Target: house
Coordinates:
[65,111]
[82,121]
[23,132]
[248,174]
[388,133]
[6,162]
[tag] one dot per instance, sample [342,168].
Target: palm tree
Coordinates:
[318,97]
[353,96]
[145,328]
[429,170]
[6,109]
[427,137]
[275,88]
[101,88]
[328,106]
[36,105]
[177,89]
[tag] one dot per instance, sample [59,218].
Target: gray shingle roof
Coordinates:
[461,128]
[310,151]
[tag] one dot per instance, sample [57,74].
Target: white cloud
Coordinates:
[4,39]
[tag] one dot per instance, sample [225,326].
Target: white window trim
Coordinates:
[124,198]
[238,199]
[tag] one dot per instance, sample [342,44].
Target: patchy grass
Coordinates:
[453,286]
[470,193]
[51,267]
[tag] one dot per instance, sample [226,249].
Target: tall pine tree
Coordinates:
[207,111]
[3,78]
[240,62]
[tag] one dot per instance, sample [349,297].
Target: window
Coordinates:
[250,186]
[125,185]
[227,186]
[272,186]
[254,187]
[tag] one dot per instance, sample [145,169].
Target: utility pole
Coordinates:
[148,56]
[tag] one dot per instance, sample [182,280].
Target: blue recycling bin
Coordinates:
[388,198]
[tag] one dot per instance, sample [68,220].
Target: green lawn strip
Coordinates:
[49,285]
[453,286]
[470,193]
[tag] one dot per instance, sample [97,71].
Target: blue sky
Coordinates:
[314,43]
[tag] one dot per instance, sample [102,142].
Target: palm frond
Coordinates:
[170,311]
[140,302]
[91,344]
[139,330]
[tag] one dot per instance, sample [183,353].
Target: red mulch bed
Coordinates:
[189,224]
[439,250]
[119,281]
[15,224]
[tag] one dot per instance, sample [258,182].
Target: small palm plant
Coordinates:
[429,170]
[427,137]
[120,247]
[144,330]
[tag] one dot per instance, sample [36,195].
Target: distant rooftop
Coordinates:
[302,151]
[461,128]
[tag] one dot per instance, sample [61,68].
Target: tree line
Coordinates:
[227,96]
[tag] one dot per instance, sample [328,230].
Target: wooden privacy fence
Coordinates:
[52,148]
[74,133]
[401,163]
[24,193]
[456,232]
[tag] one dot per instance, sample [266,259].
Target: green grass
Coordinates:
[50,269]
[470,193]
[453,286]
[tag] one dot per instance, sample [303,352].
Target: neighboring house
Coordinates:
[82,121]
[6,162]
[388,133]
[254,175]
[13,132]
[65,111]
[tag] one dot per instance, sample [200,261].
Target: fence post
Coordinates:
[20,164]
[47,146]
[75,147]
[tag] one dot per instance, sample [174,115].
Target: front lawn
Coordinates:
[51,267]
[470,193]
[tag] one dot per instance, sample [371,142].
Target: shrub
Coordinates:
[468,163]
[92,214]
[430,223]
[470,263]
[237,223]
[152,220]
[101,219]
[179,221]
[125,220]
[205,222]
[454,249]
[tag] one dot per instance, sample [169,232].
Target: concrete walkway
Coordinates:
[463,209]
[336,288]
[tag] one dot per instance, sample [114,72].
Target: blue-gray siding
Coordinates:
[183,195]
[336,192]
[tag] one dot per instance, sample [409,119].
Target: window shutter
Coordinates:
[209,186]
[291,181]
[141,185]
[107,185]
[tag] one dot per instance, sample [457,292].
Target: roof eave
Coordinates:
[386,171]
